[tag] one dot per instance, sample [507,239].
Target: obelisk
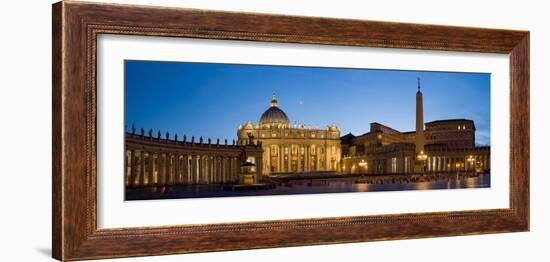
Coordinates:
[419,137]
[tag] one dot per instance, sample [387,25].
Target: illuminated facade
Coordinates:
[437,146]
[292,148]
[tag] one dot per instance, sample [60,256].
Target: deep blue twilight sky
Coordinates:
[211,100]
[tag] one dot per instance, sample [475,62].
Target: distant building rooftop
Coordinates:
[347,139]
[449,121]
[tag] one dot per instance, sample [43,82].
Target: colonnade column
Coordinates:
[151,169]
[132,168]
[185,169]
[142,168]
[170,173]
[192,174]
[177,169]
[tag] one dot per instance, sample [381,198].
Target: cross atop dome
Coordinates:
[274,100]
[418,78]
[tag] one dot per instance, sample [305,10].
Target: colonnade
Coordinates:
[458,163]
[147,168]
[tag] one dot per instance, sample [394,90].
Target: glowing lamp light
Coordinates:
[422,156]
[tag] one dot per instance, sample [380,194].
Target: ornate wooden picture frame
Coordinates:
[76,26]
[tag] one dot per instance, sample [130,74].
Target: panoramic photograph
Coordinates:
[200,130]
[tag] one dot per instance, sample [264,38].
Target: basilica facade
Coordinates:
[292,148]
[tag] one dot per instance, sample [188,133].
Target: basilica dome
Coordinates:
[274,116]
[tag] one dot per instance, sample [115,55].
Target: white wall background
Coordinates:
[25,131]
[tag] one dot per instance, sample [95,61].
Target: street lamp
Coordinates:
[422,157]
[362,165]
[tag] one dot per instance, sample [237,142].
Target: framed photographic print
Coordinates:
[182,130]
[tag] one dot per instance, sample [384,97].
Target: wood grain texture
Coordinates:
[76,26]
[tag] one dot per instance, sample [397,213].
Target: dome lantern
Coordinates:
[274,101]
[274,116]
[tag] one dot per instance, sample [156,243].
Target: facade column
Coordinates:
[280,165]
[307,159]
[267,160]
[290,159]
[317,159]
[328,167]
[299,158]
